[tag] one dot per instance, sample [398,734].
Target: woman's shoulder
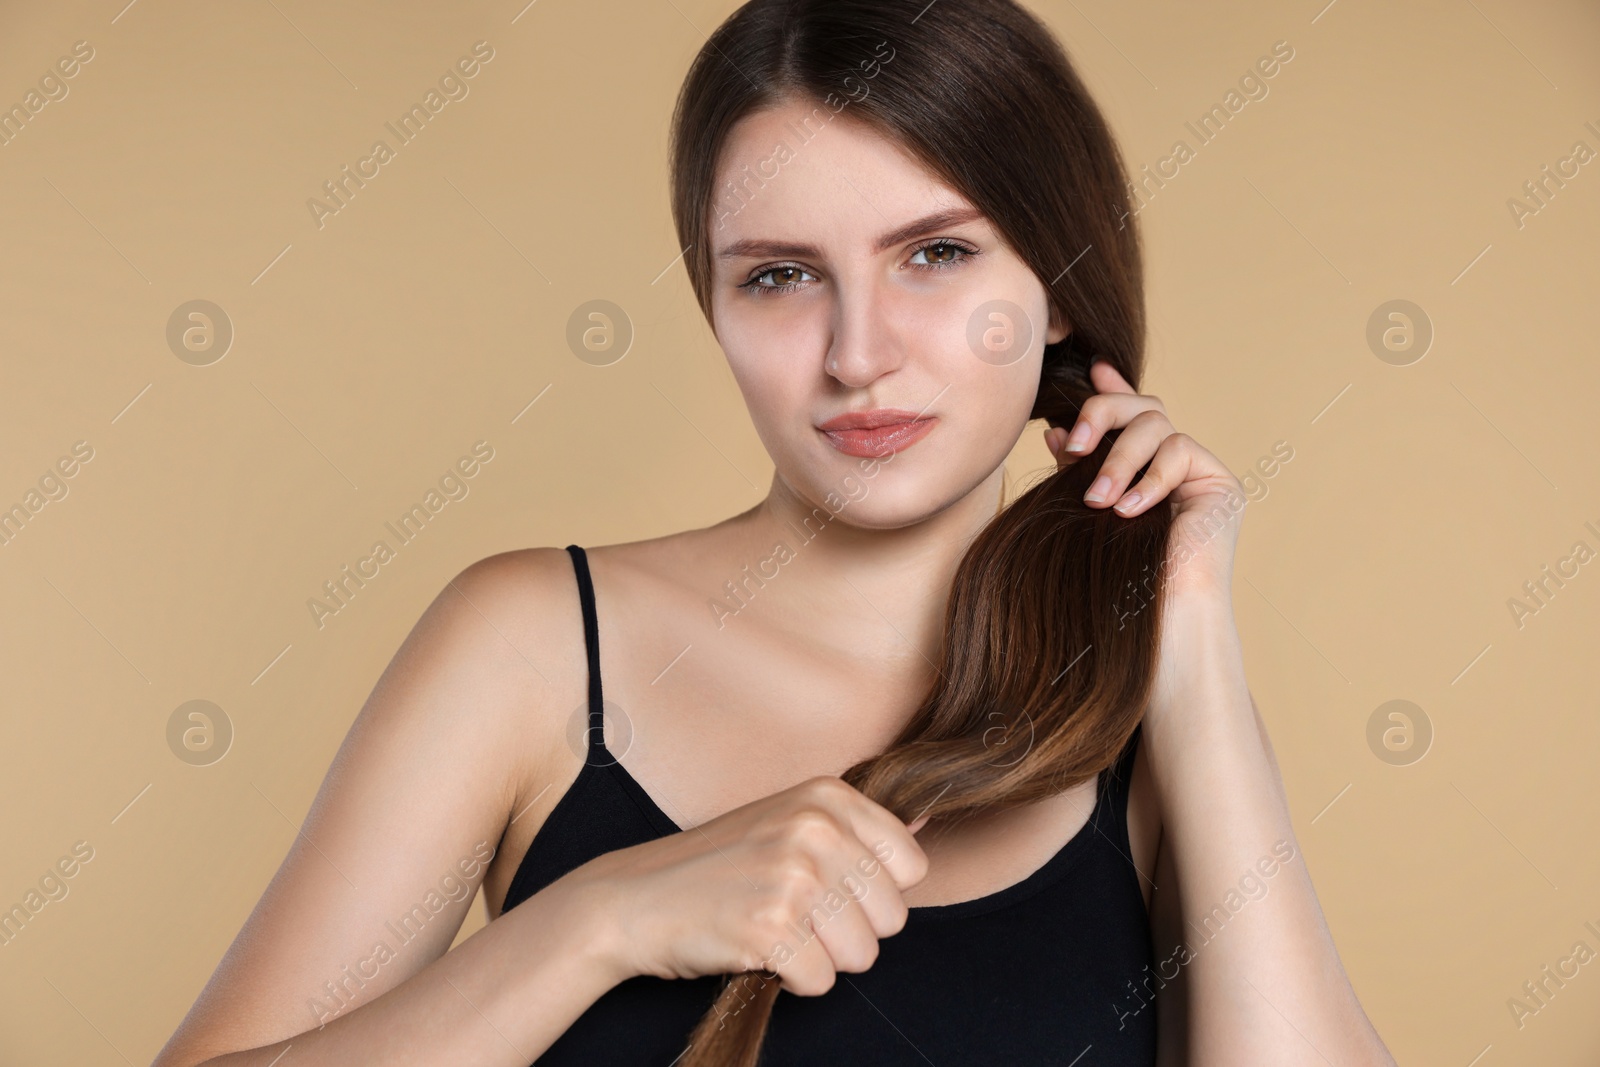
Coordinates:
[501,649]
[515,619]
[535,589]
[519,632]
[539,584]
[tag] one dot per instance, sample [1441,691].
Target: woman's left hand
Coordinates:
[1208,501]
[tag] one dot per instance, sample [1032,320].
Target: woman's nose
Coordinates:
[865,345]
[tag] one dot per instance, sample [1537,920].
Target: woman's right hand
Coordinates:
[803,882]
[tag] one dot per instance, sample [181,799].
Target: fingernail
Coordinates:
[1079,437]
[1097,492]
[1128,502]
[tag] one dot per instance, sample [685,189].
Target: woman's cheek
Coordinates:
[777,402]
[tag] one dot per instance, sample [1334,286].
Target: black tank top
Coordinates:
[1050,970]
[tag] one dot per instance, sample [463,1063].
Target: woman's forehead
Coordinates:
[796,131]
[842,183]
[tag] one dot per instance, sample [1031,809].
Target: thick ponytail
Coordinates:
[1052,626]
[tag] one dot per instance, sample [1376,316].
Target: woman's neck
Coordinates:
[854,582]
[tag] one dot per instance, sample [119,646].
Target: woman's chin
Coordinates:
[884,502]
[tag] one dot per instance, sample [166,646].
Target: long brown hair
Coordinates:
[1052,624]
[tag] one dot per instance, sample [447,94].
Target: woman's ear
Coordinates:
[1058,327]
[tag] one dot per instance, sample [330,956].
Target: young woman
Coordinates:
[967,783]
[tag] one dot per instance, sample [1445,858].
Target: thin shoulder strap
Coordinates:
[591,644]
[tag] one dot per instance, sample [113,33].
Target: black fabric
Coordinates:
[1051,970]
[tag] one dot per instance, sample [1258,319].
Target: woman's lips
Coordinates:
[879,440]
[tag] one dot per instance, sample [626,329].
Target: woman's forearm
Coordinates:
[499,999]
[1264,981]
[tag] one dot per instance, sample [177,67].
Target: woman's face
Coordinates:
[847,279]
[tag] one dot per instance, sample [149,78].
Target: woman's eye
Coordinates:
[935,255]
[785,277]
[941,254]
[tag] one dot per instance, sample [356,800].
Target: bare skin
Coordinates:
[417,781]
[769,707]
[739,720]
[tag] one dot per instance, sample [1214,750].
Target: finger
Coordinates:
[1107,378]
[1170,467]
[1055,439]
[790,915]
[1137,443]
[849,874]
[848,936]
[872,890]
[1103,412]
[808,971]
[877,828]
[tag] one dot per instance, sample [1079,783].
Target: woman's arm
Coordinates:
[499,999]
[1261,979]
[428,776]
[344,956]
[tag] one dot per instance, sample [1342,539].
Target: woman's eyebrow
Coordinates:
[753,246]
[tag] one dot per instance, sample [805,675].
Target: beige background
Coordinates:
[372,352]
